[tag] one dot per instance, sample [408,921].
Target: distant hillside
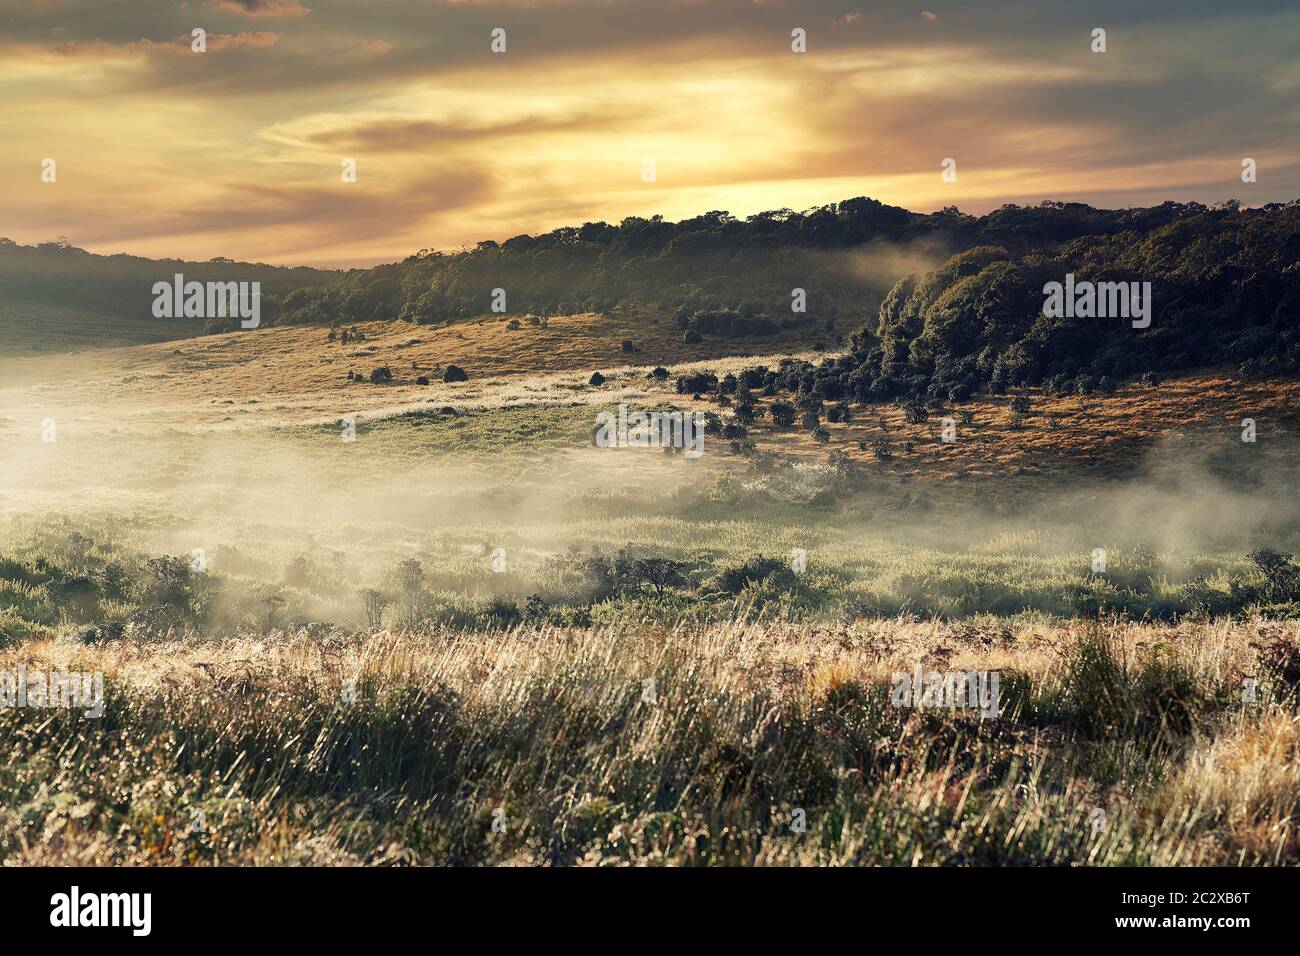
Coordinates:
[945,305]
[719,275]
[58,277]
[35,328]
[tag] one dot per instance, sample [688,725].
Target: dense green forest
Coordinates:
[1225,281]
[1225,287]
[845,256]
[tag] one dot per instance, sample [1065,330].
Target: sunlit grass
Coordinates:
[559,736]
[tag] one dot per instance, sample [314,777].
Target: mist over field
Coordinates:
[255,487]
[953,582]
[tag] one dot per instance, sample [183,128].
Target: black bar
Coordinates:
[368,906]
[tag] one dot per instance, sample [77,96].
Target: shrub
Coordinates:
[696,383]
[782,414]
[455,373]
[381,375]
[598,577]
[596,379]
[536,609]
[170,589]
[1281,577]
[1104,692]
[757,570]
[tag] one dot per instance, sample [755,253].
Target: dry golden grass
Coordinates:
[553,728]
[292,375]
[1061,433]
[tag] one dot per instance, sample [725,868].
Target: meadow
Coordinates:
[349,623]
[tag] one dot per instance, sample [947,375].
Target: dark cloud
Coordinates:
[444,35]
[271,9]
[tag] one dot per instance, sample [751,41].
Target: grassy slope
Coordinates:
[296,368]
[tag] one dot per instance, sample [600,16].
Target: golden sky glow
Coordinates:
[237,152]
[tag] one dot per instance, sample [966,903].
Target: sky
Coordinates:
[239,151]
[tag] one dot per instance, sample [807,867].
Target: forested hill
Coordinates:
[845,256]
[944,304]
[57,273]
[1224,288]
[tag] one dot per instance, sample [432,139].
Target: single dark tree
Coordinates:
[915,413]
[659,574]
[782,414]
